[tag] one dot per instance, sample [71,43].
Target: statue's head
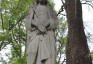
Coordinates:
[42,2]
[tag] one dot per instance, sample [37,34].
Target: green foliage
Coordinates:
[51,3]
[62,38]
[12,30]
[12,14]
[17,56]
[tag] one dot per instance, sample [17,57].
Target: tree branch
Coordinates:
[63,61]
[88,3]
[62,7]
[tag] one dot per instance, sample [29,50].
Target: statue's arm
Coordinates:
[37,21]
[27,22]
[30,23]
[53,19]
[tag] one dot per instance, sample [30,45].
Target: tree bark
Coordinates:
[77,51]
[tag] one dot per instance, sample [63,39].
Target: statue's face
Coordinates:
[42,2]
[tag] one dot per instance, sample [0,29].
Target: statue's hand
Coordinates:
[47,24]
[51,24]
[42,29]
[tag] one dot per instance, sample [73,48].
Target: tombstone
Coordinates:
[41,23]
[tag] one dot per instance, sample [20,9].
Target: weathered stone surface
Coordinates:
[41,23]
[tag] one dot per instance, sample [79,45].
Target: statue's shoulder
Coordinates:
[32,6]
[51,10]
[30,10]
[50,7]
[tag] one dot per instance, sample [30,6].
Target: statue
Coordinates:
[41,23]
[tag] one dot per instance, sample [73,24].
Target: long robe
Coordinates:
[41,48]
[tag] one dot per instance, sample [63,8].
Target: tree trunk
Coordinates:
[77,51]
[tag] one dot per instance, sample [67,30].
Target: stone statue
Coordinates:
[41,23]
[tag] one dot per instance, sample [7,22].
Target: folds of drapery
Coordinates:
[40,47]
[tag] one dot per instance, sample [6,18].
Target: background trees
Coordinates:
[13,32]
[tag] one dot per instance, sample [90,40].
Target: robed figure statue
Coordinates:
[41,23]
